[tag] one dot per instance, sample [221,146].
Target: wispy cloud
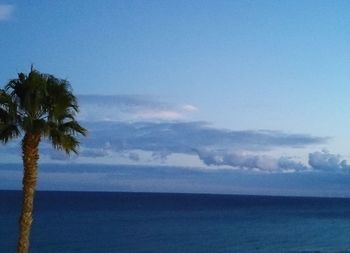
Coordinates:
[187,137]
[130,107]
[6,11]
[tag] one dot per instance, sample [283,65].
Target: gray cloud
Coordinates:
[326,161]
[161,155]
[248,161]
[187,137]
[130,107]
[6,11]
[126,122]
[212,145]
[134,156]
[115,130]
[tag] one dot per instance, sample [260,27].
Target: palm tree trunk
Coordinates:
[30,156]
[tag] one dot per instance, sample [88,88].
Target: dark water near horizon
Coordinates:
[67,222]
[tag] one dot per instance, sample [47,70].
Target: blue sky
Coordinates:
[244,86]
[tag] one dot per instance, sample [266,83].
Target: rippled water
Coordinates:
[67,222]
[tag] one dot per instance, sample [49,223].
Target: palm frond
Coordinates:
[8,132]
[8,118]
[63,141]
[41,104]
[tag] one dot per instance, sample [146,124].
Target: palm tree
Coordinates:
[37,106]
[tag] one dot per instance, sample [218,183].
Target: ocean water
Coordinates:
[67,222]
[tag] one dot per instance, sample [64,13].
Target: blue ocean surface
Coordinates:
[67,222]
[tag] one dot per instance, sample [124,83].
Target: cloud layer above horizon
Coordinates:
[143,130]
[166,152]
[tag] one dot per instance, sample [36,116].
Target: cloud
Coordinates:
[130,107]
[139,129]
[121,124]
[319,161]
[326,161]
[211,145]
[6,11]
[189,108]
[134,156]
[187,137]
[161,155]
[154,142]
[249,161]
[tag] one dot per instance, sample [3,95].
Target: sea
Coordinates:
[100,222]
